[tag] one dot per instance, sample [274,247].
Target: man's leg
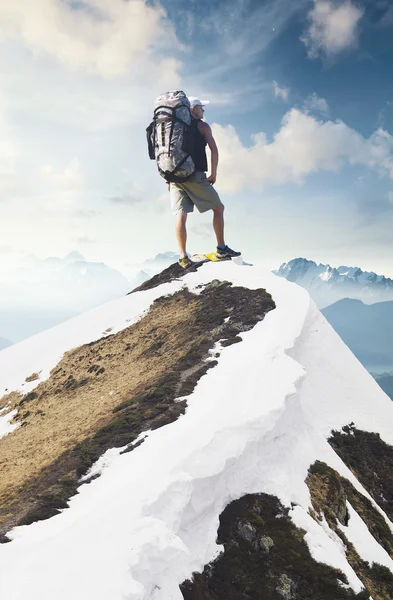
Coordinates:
[181,232]
[218,224]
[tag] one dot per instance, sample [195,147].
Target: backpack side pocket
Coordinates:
[150,135]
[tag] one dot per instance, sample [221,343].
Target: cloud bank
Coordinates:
[303,145]
[70,178]
[101,37]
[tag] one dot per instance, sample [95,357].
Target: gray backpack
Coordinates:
[170,137]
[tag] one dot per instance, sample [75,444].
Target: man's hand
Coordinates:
[169,187]
[211,179]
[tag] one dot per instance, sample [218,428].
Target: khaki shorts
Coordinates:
[196,191]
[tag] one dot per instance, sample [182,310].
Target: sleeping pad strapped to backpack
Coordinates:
[170,137]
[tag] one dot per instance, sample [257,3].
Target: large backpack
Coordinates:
[170,137]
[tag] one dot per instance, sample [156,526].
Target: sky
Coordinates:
[153,523]
[301,107]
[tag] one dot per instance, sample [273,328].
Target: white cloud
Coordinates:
[7,158]
[70,178]
[9,182]
[104,37]
[333,27]
[279,92]
[303,145]
[315,103]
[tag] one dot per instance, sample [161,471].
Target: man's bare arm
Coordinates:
[206,131]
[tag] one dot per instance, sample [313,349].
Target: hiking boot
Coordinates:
[185,262]
[226,252]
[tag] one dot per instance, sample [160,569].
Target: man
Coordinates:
[198,190]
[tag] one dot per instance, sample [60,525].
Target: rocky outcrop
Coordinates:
[370,459]
[265,556]
[329,495]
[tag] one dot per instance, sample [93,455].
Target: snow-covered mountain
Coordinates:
[328,284]
[217,439]
[70,282]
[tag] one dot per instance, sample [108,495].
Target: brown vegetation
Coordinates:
[371,461]
[329,495]
[32,377]
[105,393]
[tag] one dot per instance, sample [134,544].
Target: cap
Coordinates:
[196,102]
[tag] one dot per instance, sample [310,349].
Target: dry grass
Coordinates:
[95,388]
[32,377]
[82,391]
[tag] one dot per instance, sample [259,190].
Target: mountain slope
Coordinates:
[262,380]
[327,284]
[366,329]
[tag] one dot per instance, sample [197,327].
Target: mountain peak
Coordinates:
[219,383]
[73,256]
[297,263]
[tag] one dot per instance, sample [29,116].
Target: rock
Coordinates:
[257,509]
[266,543]
[246,531]
[286,587]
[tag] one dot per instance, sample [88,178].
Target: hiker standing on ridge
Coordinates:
[198,190]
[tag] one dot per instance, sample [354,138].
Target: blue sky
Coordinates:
[301,107]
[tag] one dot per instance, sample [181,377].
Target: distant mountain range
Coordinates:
[36,294]
[328,284]
[152,266]
[71,283]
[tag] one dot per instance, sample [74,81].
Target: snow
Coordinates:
[253,424]
[325,276]
[5,423]
[337,389]
[326,548]
[367,547]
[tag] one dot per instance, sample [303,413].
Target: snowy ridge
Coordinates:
[254,423]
